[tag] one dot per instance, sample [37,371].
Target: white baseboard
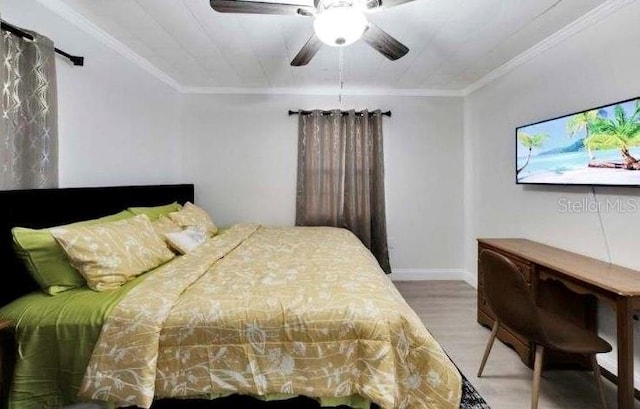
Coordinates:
[471,279]
[609,363]
[430,274]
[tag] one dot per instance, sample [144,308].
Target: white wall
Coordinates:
[595,67]
[120,125]
[241,153]
[117,124]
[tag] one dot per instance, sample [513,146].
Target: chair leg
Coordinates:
[487,350]
[598,377]
[537,372]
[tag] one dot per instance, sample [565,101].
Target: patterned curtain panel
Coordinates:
[341,176]
[29,121]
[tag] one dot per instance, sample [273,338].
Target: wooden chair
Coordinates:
[511,302]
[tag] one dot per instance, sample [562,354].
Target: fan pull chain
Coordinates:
[341,70]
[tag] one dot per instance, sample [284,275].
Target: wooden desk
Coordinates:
[617,286]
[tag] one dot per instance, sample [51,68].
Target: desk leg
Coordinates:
[625,353]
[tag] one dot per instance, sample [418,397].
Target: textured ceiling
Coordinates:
[453,43]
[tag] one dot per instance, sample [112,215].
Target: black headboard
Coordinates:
[53,207]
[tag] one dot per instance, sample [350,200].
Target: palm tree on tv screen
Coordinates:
[530,142]
[581,122]
[621,132]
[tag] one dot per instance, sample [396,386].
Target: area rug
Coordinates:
[471,399]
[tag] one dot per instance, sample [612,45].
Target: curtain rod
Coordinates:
[388,113]
[16,31]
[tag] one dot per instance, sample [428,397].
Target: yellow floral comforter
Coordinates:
[256,311]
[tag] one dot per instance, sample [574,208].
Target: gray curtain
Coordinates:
[341,176]
[29,120]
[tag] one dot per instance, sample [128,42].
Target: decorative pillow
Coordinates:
[163,225]
[193,216]
[45,260]
[154,212]
[186,241]
[110,254]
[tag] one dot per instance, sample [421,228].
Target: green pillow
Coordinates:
[45,259]
[155,212]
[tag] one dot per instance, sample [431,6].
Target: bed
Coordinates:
[271,312]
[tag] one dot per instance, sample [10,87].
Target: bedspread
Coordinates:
[257,311]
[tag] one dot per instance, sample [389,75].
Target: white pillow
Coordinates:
[187,240]
[193,216]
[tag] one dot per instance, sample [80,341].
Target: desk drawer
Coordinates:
[483,306]
[482,302]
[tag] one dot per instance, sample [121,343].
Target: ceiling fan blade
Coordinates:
[308,52]
[256,7]
[384,43]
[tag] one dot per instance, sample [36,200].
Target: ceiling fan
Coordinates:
[337,23]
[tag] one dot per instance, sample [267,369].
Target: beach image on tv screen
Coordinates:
[596,147]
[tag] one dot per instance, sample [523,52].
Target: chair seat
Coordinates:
[565,336]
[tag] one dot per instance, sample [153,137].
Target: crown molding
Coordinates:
[589,19]
[324,91]
[75,18]
[597,14]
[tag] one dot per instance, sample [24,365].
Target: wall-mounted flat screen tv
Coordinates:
[599,146]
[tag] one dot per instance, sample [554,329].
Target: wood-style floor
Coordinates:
[448,309]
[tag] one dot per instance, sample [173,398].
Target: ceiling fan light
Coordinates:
[340,26]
